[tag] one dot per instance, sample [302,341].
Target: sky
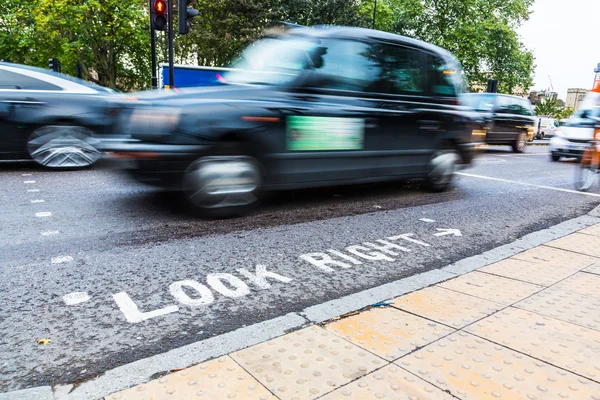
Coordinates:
[564,36]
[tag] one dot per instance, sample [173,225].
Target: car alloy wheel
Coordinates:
[520,144]
[442,166]
[222,182]
[63,146]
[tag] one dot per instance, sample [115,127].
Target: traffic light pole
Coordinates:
[153,55]
[171,66]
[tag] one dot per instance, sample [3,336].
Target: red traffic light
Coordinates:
[160,6]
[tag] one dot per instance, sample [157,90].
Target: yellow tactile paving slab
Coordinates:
[583,283]
[592,230]
[579,243]
[560,343]
[221,378]
[473,368]
[490,287]
[566,306]
[593,269]
[306,364]
[531,272]
[390,382]
[446,306]
[556,257]
[388,332]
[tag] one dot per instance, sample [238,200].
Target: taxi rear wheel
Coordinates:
[63,146]
[223,186]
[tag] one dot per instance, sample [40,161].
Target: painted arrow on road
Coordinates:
[444,232]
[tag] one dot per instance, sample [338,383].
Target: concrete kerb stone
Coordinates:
[37,393]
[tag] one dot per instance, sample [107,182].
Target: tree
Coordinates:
[481,33]
[549,108]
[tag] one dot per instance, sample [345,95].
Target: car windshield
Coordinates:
[272,61]
[478,102]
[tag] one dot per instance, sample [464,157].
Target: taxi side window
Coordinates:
[503,105]
[24,82]
[400,70]
[342,66]
[442,83]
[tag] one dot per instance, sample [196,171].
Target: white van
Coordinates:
[546,128]
[571,139]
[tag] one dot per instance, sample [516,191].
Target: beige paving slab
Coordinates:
[221,378]
[490,287]
[583,283]
[592,230]
[566,306]
[473,368]
[560,343]
[551,256]
[388,332]
[306,364]
[531,272]
[446,306]
[390,382]
[593,269]
[578,242]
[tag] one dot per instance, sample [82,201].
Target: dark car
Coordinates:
[509,120]
[52,118]
[311,107]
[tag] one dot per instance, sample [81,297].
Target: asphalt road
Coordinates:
[112,272]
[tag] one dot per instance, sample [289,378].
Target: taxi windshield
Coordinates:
[272,61]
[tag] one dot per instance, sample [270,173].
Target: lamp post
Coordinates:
[375,15]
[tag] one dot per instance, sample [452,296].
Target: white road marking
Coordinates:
[43,214]
[445,232]
[259,277]
[235,286]
[528,184]
[427,220]
[407,237]
[521,155]
[61,259]
[33,190]
[49,233]
[75,298]
[132,312]
[203,295]
[25,174]
[38,201]
[29,182]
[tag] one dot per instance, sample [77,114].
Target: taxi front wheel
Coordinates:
[442,166]
[223,186]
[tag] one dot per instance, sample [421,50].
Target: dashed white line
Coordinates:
[61,259]
[528,184]
[25,174]
[427,220]
[28,182]
[33,190]
[38,201]
[43,214]
[75,298]
[49,233]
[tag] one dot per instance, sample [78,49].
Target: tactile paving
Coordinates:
[473,368]
[306,364]
[566,306]
[221,378]
[490,287]
[593,269]
[555,257]
[592,230]
[582,283]
[578,242]
[446,306]
[531,272]
[560,343]
[390,382]
[388,332]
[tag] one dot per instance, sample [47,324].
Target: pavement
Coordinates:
[125,285]
[525,327]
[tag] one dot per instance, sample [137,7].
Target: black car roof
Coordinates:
[325,31]
[58,75]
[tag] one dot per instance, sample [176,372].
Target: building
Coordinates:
[575,96]
[537,97]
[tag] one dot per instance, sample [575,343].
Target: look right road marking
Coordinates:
[527,184]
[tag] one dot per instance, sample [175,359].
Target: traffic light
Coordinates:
[185,13]
[54,65]
[159,15]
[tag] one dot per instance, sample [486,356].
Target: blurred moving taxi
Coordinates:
[305,108]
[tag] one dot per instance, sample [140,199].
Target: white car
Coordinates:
[546,128]
[571,139]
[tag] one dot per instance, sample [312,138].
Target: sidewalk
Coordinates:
[527,327]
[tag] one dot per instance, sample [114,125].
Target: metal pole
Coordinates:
[375,15]
[171,67]
[153,49]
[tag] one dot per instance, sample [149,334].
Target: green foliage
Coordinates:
[111,37]
[551,108]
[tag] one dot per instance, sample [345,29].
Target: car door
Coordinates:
[505,121]
[8,128]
